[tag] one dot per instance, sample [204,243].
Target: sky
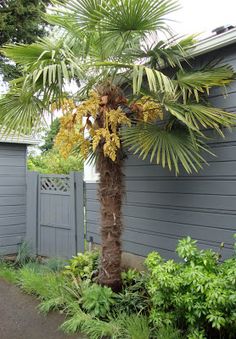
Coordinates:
[202,16]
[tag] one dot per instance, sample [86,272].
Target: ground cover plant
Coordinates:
[137,91]
[194,298]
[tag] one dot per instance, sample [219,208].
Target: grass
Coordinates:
[7,272]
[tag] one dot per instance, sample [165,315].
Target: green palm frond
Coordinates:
[197,116]
[24,55]
[120,16]
[49,61]
[157,81]
[195,81]
[20,112]
[170,148]
[171,52]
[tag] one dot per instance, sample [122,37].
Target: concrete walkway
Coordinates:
[19,318]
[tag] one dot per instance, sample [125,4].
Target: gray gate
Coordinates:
[55,223]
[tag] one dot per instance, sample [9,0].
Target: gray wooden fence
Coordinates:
[55,214]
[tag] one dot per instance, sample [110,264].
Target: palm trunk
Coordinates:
[110,193]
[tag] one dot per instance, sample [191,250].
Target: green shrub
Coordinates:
[83,265]
[133,297]
[197,295]
[97,300]
[53,162]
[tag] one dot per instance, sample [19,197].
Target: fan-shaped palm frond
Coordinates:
[194,81]
[161,54]
[21,112]
[170,148]
[119,16]
[49,51]
[48,65]
[197,116]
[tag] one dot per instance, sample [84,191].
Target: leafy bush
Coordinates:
[197,295]
[133,297]
[84,265]
[52,162]
[97,300]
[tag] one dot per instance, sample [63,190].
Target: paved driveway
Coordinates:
[19,318]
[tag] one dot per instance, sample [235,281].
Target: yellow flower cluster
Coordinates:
[150,109]
[109,135]
[89,107]
[117,117]
[101,122]
[111,142]
[68,136]
[67,106]
[71,133]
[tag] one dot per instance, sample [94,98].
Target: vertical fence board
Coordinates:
[79,211]
[32,210]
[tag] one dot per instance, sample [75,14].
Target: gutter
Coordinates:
[213,43]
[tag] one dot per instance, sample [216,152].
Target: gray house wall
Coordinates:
[161,208]
[12,196]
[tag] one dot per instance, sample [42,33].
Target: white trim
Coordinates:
[214,42]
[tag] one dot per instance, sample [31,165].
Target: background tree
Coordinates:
[51,161]
[51,135]
[144,97]
[20,22]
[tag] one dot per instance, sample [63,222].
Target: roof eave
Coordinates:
[21,140]
[213,43]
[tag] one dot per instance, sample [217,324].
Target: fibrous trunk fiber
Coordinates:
[110,193]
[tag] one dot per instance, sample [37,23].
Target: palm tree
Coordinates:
[137,92]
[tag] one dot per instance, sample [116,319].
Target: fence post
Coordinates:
[32,210]
[79,211]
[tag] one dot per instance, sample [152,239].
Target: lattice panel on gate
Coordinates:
[55,184]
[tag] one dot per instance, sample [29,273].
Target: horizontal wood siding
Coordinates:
[161,208]
[12,197]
